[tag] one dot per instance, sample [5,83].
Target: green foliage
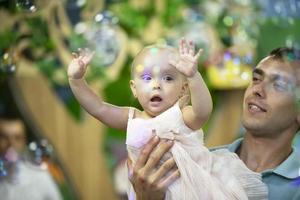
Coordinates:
[223,30]
[73,107]
[66,192]
[132,20]
[39,34]
[47,67]
[8,38]
[76,41]
[119,93]
[172,14]
[277,32]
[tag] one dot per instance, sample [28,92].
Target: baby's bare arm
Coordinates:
[196,115]
[112,116]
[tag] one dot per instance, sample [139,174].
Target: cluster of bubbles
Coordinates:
[10,158]
[287,8]
[30,6]
[26,6]
[292,41]
[7,65]
[282,14]
[194,29]
[37,151]
[3,171]
[101,37]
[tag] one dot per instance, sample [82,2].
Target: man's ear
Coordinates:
[132,87]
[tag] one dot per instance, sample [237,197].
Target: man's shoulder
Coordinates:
[219,147]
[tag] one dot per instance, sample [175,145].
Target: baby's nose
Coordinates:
[156,84]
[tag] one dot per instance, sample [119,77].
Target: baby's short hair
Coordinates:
[154,47]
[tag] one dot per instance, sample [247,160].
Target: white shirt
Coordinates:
[31,183]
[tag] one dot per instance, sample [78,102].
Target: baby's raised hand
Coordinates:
[79,63]
[187,63]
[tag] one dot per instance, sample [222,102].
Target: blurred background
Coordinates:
[37,37]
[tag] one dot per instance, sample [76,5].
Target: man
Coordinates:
[21,179]
[271,117]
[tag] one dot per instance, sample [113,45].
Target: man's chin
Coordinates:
[252,125]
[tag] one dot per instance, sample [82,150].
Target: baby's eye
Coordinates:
[168,78]
[146,77]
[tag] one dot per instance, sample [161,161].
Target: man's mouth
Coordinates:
[256,108]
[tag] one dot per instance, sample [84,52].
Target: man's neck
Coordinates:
[261,153]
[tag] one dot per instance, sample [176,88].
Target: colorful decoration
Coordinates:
[232,72]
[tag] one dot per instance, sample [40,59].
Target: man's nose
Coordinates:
[259,89]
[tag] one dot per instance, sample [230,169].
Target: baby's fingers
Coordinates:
[198,54]
[83,52]
[88,57]
[77,60]
[183,48]
[75,55]
[82,65]
[191,48]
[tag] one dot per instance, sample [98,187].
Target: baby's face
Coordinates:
[156,83]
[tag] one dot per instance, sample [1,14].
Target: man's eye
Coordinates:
[146,77]
[168,78]
[281,85]
[255,79]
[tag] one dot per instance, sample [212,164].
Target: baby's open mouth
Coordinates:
[156,99]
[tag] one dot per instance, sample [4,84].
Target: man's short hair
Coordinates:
[289,54]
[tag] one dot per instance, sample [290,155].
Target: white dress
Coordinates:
[203,174]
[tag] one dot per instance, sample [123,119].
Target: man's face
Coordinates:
[270,103]
[12,134]
[156,83]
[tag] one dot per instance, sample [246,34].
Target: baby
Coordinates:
[162,78]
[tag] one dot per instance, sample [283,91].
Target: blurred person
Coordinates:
[161,78]
[21,179]
[271,117]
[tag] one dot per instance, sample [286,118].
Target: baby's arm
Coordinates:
[112,116]
[196,115]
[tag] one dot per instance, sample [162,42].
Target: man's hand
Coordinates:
[79,63]
[148,182]
[188,61]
